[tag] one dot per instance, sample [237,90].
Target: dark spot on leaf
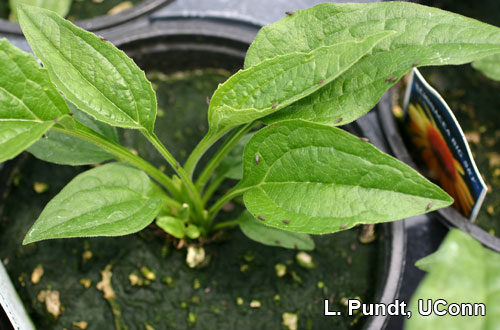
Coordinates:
[275,104]
[277,241]
[261,218]
[286,222]
[343,226]
[321,81]
[415,64]
[289,13]
[338,120]
[429,206]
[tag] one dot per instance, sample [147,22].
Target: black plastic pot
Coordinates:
[98,23]
[450,216]
[168,45]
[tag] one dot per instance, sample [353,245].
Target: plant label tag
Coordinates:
[439,146]
[11,304]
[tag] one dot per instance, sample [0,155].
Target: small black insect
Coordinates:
[286,222]
[277,241]
[71,114]
[289,13]
[261,218]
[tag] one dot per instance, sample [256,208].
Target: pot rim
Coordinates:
[100,22]
[449,216]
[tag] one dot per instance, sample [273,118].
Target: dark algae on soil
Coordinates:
[245,285]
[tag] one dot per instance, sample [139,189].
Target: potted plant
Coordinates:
[360,66]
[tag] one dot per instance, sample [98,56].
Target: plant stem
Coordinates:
[212,212]
[192,191]
[225,224]
[208,140]
[212,187]
[122,153]
[221,153]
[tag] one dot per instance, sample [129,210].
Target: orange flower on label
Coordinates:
[438,159]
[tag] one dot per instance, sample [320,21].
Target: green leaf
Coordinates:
[275,83]
[232,165]
[93,74]
[256,230]
[29,103]
[489,66]
[425,36]
[173,226]
[322,179]
[63,148]
[461,271]
[109,200]
[192,231]
[61,7]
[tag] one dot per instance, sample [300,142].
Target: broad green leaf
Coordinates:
[92,73]
[256,230]
[489,66]
[63,148]
[275,83]
[321,179]
[61,7]
[461,271]
[232,165]
[425,36]
[109,200]
[29,103]
[173,226]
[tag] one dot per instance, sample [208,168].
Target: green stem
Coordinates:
[212,212]
[212,187]
[192,191]
[221,153]
[122,153]
[205,143]
[221,225]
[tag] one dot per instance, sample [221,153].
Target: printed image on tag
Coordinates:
[440,148]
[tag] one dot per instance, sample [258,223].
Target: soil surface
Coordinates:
[239,289]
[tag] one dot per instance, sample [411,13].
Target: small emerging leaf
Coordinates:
[319,179]
[173,226]
[93,74]
[110,200]
[29,103]
[256,230]
[461,271]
